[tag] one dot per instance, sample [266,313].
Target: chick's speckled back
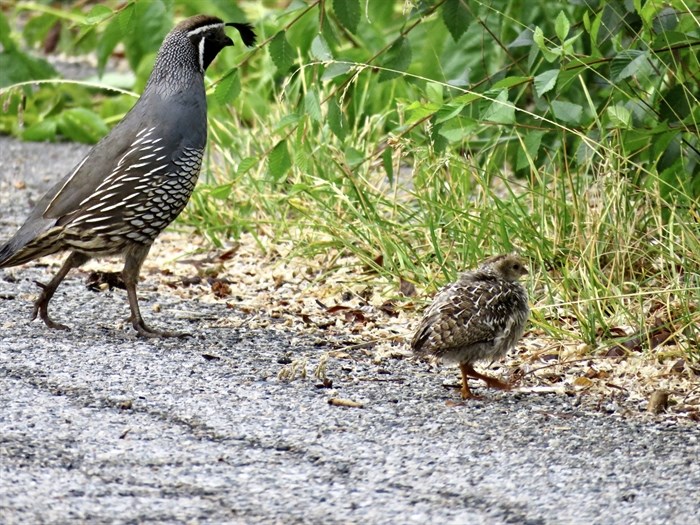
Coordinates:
[480,316]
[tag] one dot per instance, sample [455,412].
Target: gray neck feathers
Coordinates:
[176,67]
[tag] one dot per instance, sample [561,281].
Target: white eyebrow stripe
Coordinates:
[204,29]
[201,53]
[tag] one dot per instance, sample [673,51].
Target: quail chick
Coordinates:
[480,316]
[137,179]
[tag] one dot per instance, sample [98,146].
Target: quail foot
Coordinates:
[137,179]
[479,317]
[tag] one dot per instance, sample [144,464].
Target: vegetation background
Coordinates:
[421,136]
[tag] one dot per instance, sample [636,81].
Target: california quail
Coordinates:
[480,316]
[137,179]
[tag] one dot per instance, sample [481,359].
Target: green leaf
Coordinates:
[448,112]
[18,67]
[246,164]
[569,74]
[567,112]
[228,89]
[594,32]
[388,164]
[420,110]
[281,52]
[313,106]
[5,38]
[457,130]
[287,120]
[546,81]
[532,142]
[336,120]
[97,14]
[509,82]
[320,49]
[538,38]
[456,18]
[675,104]
[620,116]
[149,23]
[220,192]
[335,70]
[82,125]
[524,39]
[301,159]
[567,45]
[467,98]
[125,18]
[670,155]
[348,12]
[354,157]
[279,161]
[107,42]
[398,59]
[41,131]
[500,110]
[627,63]
[562,26]
[636,140]
[434,92]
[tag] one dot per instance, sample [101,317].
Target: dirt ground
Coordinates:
[297,401]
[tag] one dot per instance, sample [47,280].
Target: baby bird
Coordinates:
[480,316]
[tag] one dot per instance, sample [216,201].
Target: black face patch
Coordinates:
[213,43]
[208,40]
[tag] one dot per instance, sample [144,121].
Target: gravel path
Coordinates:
[98,426]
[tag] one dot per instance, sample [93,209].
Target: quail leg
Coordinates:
[491,382]
[466,393]
[132,266]
[41,305]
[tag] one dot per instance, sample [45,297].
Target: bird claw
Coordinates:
[54,325]
[41,311]
[146,331]
[470,395]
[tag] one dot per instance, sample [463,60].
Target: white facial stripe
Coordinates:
[204,29]
[201,53]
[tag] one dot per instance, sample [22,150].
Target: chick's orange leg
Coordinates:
[466,393]
[492,382]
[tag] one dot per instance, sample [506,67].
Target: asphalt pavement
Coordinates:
[99,426]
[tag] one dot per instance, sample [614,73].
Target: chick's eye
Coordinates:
[516,267]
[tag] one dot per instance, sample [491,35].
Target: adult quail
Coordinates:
[137,179]
[480,316]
